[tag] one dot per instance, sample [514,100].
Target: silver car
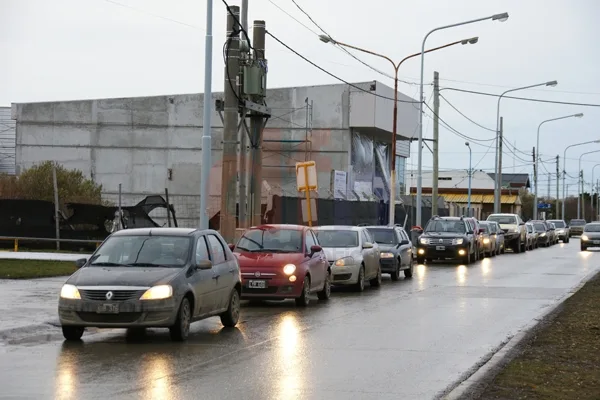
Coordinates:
[352,254]
[152,277]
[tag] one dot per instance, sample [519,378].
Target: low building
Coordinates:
[147,144]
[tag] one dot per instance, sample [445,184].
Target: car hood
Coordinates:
[509,226]
[434,235]
[387,247]
[592,235]
[122,276]
[335,253]
[254,261]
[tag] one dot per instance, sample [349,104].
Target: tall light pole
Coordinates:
[592,187]
[498,173]
[206,120]
[537,157]
[565,169]
[496,17]
[579,186]
[469,175]
[329,39]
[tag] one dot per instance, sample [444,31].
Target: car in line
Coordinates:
[576,227]
[490,246]
[279,262]
[499,233]
[395,248]
[590,236]
[532,236]
[544,234]
[152,277]
[447,238]
[477,234]
[562,229]
[352,254]
[515,234]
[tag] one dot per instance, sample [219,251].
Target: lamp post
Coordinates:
[329,39]
[537,158]
[496,17]
[579,186]
[498,173]
[592,187]
[469,175]
[565,169]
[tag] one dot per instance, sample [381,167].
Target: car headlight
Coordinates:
[159,292]
[584,237]
[543,234]
[424,240]
[344,261]
[458,241]
[70,292]
[515,230]
[289,269]
[486,240]
[386,255]
[560,231]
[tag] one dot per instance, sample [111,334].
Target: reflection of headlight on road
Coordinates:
[70,292]
[486,240]
[584,237]
[387,255]
[344,261]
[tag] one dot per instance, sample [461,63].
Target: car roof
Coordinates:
[381,227]
[157,232]
[593,223]
[339,227]
[280,226]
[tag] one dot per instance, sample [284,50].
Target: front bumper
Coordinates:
[509,236]
[278,287]
[346,275]
[449,252]
[576,231]
[388,265]
[131,314]
[591,243]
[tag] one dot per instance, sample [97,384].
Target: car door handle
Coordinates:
[216,276]
[232,270]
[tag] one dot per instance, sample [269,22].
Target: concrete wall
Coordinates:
[7,142]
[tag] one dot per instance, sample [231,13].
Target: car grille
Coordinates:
[122,318]
[505,230]
[118,295]
[341,277]
[444,242]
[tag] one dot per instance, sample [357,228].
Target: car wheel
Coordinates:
[420,260]
[408,273]
[304,298]
[181,329]
[583,248]
[231,317]
[468,258]
[396,274]
[73,333]
[360,283]
[517,246]
[325,293]
[376,282]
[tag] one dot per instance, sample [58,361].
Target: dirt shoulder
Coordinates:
[561,360]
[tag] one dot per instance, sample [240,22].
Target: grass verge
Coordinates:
[562,360]
[29,269]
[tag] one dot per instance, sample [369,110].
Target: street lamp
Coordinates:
[469,175]
[579,186]
[496,17]
[592,191]
[498,174]
[565,169]
[329,39]
[537,158]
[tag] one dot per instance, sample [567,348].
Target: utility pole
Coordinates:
[557,202]
[230,129]
[436,138]
[243,138]
[535,206]
[578,195]
[597,200]
[499,175]
[514,158]
[582,196]
[549,185]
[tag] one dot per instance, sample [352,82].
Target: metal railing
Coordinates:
[16,240]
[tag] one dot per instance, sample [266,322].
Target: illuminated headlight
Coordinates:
[486,240]
[462,252]
[543,234]
[158,293]
[69,292]
[560,231]
[514,230]
[421,251]
[344,261]
[387,255]
[289,269]
[425,240]
[584,237]
[458,241]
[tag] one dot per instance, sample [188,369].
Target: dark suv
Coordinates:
[447,238]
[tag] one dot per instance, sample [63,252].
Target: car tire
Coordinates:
[420,260]
[231,317]
[304,298]
[376,282]
[583,248]
[180,330]
[325,293]
[468,258]
[396,274]
[72,333]
[359,286]
[517,246]
[408,273]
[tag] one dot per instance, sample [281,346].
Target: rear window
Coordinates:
[592,228]
[503,219]
[337,238]
[578,222]
[540,227]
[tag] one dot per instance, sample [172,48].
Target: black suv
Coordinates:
[447,238]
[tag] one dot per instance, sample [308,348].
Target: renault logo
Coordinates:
[441,240]
[257,274]
[109,295]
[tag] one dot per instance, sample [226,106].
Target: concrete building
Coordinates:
[7,142]
[148,144]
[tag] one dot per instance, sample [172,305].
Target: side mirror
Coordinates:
[315,248]
[404,243]
[521,223]
[367,245]
[231,246]
[80,263]
[204,264]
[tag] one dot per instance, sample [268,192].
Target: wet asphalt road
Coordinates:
[406,340]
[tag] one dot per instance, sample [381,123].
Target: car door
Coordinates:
[202,280]
[222,271]
[405,250]
[315,261]
[369,255]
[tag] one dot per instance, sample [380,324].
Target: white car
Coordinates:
[352,254]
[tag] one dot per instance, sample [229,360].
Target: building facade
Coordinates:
[147,144]
[7,142]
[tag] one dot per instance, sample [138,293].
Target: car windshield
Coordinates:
[384,236]
[577,222]
[485,227]
[592,228]
[503,219]
[143,251]
[529,228]
[559,224]
[271,240]
[443,225]
[338,238]
[540,227]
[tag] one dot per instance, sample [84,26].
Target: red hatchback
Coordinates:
[282,262]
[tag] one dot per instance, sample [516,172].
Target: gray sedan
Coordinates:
[152,277]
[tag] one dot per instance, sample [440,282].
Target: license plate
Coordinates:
[108,309]
[257,284]
[440,247]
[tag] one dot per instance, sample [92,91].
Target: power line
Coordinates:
[469,119]
[511,87]
[154,15]
[456,131]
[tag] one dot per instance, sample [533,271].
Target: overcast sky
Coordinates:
[76,49]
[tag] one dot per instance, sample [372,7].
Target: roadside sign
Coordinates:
[306,180]
[544,206]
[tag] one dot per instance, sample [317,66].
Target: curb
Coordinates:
[470,387]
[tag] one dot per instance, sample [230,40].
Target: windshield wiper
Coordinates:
[109,264]
[274,251]
[242,248]
[147,265]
